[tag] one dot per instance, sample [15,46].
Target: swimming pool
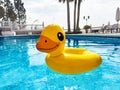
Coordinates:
[22,67]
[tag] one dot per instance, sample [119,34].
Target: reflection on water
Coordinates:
[72,43]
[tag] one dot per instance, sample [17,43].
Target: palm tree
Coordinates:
[68,15]
[75,3]
[68,12]
[78,13]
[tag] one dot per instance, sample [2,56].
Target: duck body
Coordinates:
[74,61]
[65,60]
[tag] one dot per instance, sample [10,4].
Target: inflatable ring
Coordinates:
[65,60]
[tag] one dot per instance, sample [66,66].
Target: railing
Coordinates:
[7,25]
[12,28]
[106,29]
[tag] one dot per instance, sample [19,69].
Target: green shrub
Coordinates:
[86,27]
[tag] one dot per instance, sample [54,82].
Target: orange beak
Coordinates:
[45,44]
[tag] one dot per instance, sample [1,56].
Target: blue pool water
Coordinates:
[22,67]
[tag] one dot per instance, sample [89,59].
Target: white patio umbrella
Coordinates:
[117,15]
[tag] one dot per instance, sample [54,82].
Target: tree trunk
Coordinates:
[68,15]
[75,2]
[78,13]
[86,30]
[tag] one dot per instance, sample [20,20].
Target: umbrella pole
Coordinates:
[117,26]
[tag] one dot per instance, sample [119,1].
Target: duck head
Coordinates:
[52,40]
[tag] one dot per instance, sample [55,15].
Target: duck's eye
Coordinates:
[45,41]
[60,36]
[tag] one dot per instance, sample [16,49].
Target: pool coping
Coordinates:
[75,35]
[97,35]
[21,36]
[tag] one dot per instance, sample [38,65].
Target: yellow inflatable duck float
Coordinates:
[65,60]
